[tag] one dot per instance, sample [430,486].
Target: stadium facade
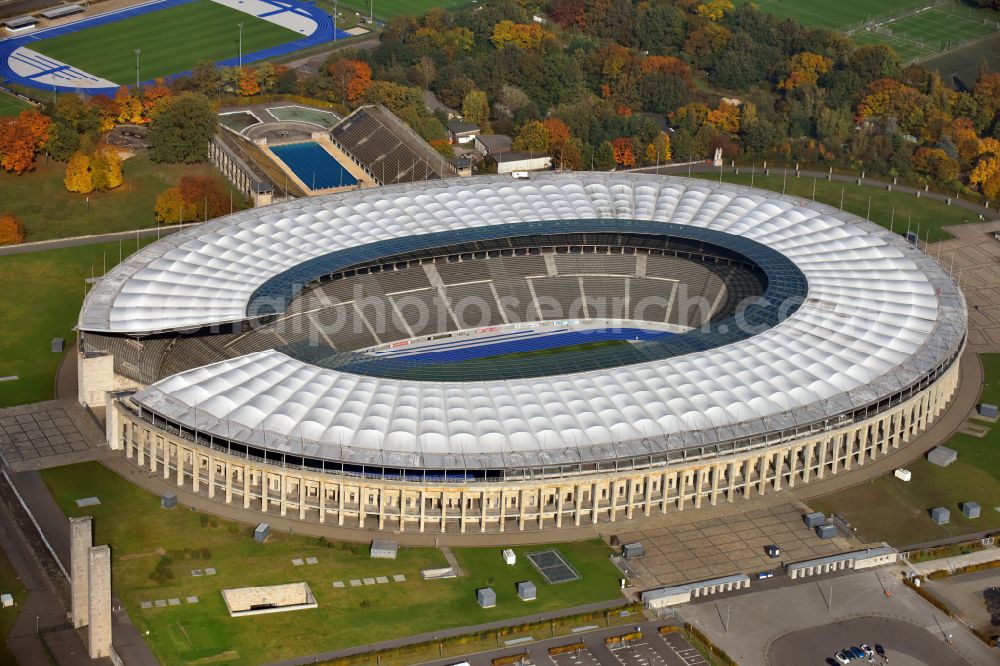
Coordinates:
[322,358]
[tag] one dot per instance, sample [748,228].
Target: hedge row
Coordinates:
[563,649]
[938,552]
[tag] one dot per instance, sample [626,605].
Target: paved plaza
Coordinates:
[48,434]
[728,544]
[973,257]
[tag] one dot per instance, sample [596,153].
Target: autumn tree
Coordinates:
[78,178]
[935,164]
[506,33]
[105,169]
[21,138]
[805,68]
[532,138]
[714,10]
[194,198]
[624,152]
[604,157]
[476,110]
[154,96]
[11,230]
[350,79]
[247,82]
[128,107]
[986,173]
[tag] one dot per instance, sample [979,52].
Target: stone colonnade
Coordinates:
[521,505]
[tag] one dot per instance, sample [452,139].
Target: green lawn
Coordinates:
[896,209]
[932,31]
[11,105]
[172,40]
[10,583]
[896,511]
[40,200]
[42,295]
[139,532]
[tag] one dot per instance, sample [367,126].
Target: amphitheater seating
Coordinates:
[373,309]
[387,148]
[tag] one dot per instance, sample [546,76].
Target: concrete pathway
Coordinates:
[94,239]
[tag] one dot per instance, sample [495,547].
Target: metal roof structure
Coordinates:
[879,321]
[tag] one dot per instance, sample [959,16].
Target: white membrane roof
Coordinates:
[879,316]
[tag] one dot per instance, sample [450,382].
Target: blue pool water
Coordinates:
[314,166]
[465,349]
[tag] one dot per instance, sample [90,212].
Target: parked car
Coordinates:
[858,653]
[772,551]
[842,657]
[881,651]
[867,649]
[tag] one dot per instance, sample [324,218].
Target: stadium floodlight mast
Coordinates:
[335,9]
[137,52]
[240,25]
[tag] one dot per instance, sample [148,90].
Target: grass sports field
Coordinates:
[896,511]
[172,40]
[387,9]
[11,106]
[912,28]
[142,535]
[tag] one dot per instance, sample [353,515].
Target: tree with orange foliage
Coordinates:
[558,135]
[129,107]
[194,198]
[891,99]
[153,96]
[350,79]
[935,163]
[21,138]
[107,112]
[624,152]
[11,230]
[248,83]
[805,68]
[725,118]
[667,65]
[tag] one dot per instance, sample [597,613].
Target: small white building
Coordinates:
[903,474]
[6,600]
[518,161]
[509,557]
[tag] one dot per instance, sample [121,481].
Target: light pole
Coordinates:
[335,20]
[240,24]
[137,52]
[371,12]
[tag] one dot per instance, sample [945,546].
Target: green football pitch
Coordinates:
[387,9]
[171,40]
[839,15]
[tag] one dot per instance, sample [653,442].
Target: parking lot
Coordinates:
[583,657]
[683,649]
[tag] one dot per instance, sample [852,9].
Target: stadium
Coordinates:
[497,354]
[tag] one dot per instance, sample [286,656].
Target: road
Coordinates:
[43,246]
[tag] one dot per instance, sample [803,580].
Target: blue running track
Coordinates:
[324,33]
[512,343]
[314,166]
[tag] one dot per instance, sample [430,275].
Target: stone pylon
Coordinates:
[99,629]
[81,538]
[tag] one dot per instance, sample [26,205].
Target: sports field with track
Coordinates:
[171,40]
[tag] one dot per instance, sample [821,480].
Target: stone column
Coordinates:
[521,506]
[195,473]
[630,498]
[647,482]
[463,500]
[614,501]
[302,498]
[246,487]
[483,504]
[228,470]
[81,536]
[503,510]
[340,507]
[322,504]
[283,493]
[180,466]
[577,504]
[263,491]
[594,496]
[99,575]
[140,453]
[681,489]
[715,484]
[559,506]
[361,506]
[699,485]
[423,509]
